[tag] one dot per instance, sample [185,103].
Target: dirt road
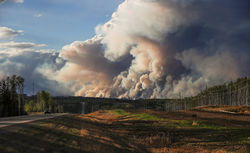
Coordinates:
[8,121]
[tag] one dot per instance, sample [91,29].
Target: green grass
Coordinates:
[165,122]
[191,124]
[120,112]
[145,117]
[136,116]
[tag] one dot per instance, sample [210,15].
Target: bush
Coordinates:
[30,106]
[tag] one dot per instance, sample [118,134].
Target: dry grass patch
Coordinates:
[232,109]
[101,116]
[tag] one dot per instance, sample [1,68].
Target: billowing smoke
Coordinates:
[171,48]
[158,49]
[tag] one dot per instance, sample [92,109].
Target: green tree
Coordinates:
[30,106]
[11,96]
[45,100]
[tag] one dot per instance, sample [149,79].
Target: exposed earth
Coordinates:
[131,131]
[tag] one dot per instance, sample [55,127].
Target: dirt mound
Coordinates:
[102,116]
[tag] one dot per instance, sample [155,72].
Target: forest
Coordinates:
[12,96]
[229,94]
[13,101]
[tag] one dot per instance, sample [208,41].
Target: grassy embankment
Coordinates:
[122,131]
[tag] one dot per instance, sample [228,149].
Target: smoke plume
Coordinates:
[171,48]
[158,49]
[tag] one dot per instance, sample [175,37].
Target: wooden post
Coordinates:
[230,96]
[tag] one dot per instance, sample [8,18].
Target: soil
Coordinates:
[106,132]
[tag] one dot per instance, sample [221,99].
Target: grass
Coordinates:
[119,112]
[135,116]
[165,122]
[126,133]
[194,124]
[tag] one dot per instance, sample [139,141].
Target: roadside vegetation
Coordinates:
[42,102]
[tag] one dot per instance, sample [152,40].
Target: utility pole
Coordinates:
[33,85]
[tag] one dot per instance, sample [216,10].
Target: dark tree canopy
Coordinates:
[11,96]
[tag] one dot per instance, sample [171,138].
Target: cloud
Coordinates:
[25,59]
[8,33]
[20,45]
[150,49]
[17,1]
[14,1]
[38,15]
[27,62]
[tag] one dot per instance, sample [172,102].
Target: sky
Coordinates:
[56,22]
[125,48]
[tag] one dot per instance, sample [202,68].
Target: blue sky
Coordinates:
[56,22]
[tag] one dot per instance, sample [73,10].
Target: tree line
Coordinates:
[14,102]
[11,96]
[229,94]
[43,101]
[232,93]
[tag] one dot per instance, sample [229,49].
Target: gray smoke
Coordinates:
[173,47]
[157,49]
